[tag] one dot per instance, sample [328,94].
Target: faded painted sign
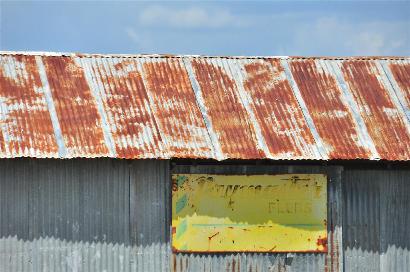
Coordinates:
[258,213]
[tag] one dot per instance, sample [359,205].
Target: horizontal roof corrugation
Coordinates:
[152,106]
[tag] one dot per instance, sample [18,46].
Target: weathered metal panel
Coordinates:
[174,105]
[332,261]
[246,210]
[398,72]
[76,108]
[150,214]
[84,215]
[276,110]
[51,254]
[376,220]
[125,102]
[165,107]
[329,110]
[25,123]
[385,120]
[14,208]
[229,117]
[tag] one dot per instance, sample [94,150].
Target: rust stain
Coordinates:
[126,102]
[229,118]
[25,119]
[76,109]
[322,244]
[401,73]
[331,115]
[273,248]
[278,114]
[210,239]
[151,111]
[177,112]
[384,122]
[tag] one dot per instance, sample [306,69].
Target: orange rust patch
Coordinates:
[401,73]
[229,118]
[177,112]
[276,109]
[76,109]
[330,114]
[384,123]
[27,119]
[322,244]
[126,102]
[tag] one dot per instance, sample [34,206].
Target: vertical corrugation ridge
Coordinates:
[96,93]
[321,149]
[169,87]
[26,127]
[62,152]
[232,68]
[364,136]
[80,121]
[306,143]
[166,145]
[386,124]
[330,113]
[199,107]
[389,86]
[151,181]
[218,154]
[135,129]
[376,220]
[225,109]
[248,138]
[400,91]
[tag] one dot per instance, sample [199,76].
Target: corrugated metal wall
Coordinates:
[114,215]
[376,225]
[83,215]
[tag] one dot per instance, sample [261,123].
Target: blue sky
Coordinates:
[319,28]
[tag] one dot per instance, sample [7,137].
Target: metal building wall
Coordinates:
[83,215]
[376,222]
[114,215]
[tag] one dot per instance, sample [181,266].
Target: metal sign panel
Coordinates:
[257,213]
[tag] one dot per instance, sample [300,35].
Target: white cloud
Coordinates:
[189,17]
[355,38]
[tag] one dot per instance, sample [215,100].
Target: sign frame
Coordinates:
[299,183]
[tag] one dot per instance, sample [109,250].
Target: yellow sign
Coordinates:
[259,213]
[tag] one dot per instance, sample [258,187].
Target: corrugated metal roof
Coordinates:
[153,106]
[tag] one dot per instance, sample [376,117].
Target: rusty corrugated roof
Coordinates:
[152,106]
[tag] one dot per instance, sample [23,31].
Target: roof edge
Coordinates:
[85,55]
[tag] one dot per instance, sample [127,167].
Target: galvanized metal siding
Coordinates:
[332,261]
[151,214]
[376,220]
[84,215]
[114,215]
[151,106]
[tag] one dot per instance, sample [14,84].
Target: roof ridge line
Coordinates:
[92,55]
